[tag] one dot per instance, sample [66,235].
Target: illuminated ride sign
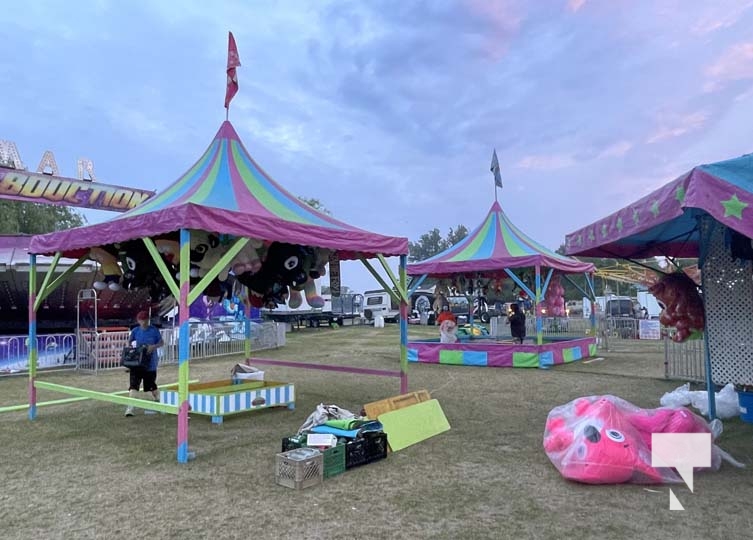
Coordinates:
[46,189]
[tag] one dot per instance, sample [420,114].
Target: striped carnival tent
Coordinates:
[497,244]
[495,251]
[226,195]
[226,192]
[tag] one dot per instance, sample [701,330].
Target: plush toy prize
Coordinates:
[607,440]
[109,267]
[683,305]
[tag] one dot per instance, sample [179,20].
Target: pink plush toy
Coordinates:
[554,302]
[247,260]
[607,440]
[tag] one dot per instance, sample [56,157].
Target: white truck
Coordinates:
[379,302]
[610,306]
[647,300]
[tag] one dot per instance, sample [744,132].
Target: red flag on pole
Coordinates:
[233,61]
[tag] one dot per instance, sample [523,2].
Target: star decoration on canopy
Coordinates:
[604,230]
[619,224]
[680,194]
[591,235]
[734,207]
[655,208]
[636,217]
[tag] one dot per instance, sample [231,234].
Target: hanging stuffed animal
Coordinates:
[206,251]
[554,301]
[682,304]
[314,265]
[247,260]
[139,270]
[441,290]
[281,269]
[110,270]
[169,249]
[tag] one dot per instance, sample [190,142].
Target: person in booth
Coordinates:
[144,335]
[517,322]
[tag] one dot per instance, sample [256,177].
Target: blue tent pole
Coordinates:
[706,226]
[32,342]
[539,321]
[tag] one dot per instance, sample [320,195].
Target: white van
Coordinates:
[379,302]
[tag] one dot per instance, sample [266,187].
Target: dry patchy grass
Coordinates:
[83,470]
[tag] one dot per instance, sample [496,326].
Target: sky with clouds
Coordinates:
[387,111]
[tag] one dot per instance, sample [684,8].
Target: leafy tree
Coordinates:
[456,235]
[316,204]
[431,243]
[32,218]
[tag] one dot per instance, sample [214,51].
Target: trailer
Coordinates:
[341,311]
[648,301]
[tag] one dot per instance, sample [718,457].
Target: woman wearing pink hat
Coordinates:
[144,335]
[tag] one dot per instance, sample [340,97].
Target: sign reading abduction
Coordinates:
[46,189]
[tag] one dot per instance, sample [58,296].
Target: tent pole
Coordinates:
[403,327]
[47,279]
[592,299]
[417,284]
[183,345]
[706,226]
[33,354]
[537,307]
[519,283]
[546,282]
[49,285]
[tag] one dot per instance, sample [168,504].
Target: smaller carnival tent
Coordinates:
[494,251]
[224,212]
[705,213]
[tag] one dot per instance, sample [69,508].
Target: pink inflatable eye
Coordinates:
[615,435]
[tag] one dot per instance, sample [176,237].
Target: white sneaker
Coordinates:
[150,411]
[129,411]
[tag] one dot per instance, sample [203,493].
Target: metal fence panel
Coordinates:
[685,361]
[91,351]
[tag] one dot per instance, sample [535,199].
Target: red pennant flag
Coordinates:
[233,61]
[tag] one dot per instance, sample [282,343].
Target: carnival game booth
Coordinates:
[495,251]
[225,214]
[705,213]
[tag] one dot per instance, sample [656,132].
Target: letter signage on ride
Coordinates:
[47,189]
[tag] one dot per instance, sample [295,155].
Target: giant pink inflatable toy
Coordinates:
[607,440]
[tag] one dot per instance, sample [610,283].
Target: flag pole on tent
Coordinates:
[496,173]
[233,61]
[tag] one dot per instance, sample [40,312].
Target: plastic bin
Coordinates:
[369,448]
[746,406]
[299,468]
[334,458]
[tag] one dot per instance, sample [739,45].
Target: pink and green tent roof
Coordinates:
[665,222]
[495,245]
[226,192]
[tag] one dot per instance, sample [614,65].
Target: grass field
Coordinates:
[83,470]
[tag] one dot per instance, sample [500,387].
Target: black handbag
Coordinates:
[134,357]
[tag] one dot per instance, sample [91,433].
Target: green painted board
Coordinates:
[413,424]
